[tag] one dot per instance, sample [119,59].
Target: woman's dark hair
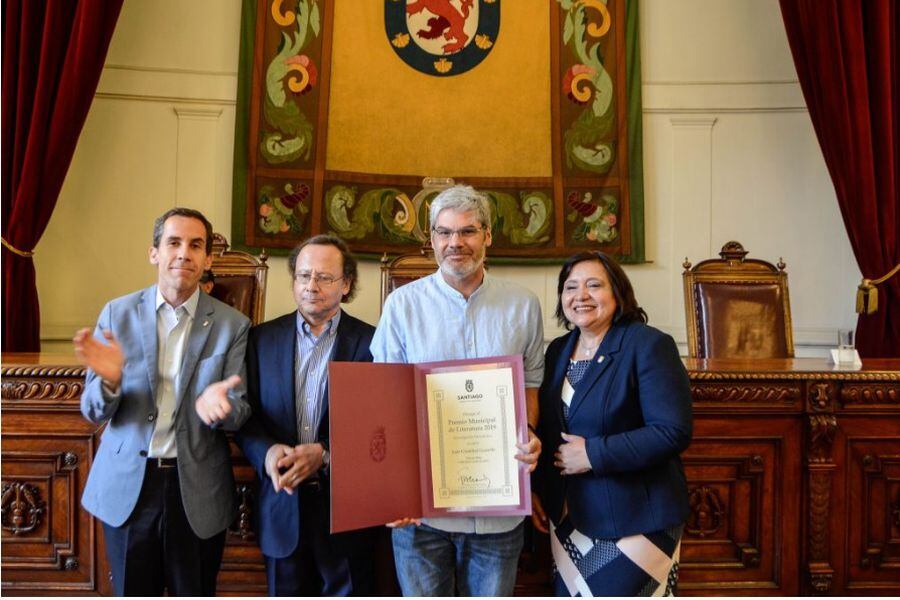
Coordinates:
[350,269]
[627,309]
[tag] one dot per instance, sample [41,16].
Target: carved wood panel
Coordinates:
[872,550]
[743,482]
[45,533]
[746,395]
[243,570]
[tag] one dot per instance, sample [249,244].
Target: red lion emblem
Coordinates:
[448,21]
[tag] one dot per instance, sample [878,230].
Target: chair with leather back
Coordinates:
[240,279]
[405,269]
[737,307]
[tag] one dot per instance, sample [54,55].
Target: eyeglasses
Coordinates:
[465,233]
[322,281]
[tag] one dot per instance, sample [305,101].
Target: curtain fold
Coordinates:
[53,54]
[846,56]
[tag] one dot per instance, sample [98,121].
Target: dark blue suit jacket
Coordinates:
[270,390]
[634,410]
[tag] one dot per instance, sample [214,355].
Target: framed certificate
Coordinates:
[431,439]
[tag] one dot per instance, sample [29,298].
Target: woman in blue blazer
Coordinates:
[615,414]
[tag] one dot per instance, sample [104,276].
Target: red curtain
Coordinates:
[53,54]
[846,56]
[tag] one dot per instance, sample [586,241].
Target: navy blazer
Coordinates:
[270,390]
[633,408]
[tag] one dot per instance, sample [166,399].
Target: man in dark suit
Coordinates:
[165,368]
[286,438]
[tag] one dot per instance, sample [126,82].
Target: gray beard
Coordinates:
[460,274]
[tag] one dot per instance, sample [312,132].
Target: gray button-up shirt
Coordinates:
[428,320]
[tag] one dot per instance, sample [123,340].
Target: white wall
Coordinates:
[729,153]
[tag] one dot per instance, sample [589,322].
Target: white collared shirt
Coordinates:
[173,327]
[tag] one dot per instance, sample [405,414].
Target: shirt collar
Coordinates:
[452,292]
[190,305]
[330,327]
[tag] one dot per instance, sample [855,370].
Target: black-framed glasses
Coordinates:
[322,281]
[444,234]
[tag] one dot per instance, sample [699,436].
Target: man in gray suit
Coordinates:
[165,372]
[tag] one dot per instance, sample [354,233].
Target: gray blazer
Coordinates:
[215,351]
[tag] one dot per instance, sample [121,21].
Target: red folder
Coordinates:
[380,451]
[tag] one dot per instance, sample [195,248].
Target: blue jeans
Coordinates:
[431,562]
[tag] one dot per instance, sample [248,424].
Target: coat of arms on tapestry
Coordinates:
[442,37]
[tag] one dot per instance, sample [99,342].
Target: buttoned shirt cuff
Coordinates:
[108,392]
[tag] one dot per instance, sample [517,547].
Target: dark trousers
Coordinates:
[321,565]
[156,549]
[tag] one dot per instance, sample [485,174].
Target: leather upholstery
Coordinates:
[740,321]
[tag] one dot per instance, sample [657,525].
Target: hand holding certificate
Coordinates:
[459,423]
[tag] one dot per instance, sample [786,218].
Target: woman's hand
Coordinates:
[538,516]
[572,456]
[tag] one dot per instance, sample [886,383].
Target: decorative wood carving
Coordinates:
[819,504]
[821,437]
[707,512]
[821,583]
[820,396]
[822,430]
[869,394]
[242,525]
[56,390]
[698,370]
[750,394]
[879,473]
[22,507]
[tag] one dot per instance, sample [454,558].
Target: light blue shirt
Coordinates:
[427,320]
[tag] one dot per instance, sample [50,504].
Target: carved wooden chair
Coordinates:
[405,268]
[737,307]
[240,279]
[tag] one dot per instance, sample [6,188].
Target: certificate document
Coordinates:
[472,433]
[429,439]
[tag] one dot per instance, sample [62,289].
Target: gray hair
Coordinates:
[462,198]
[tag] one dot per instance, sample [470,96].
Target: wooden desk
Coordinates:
[794,476]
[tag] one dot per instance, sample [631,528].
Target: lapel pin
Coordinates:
[600,359]
[205,323]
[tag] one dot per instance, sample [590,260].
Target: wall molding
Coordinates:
[158,84]
[722,97]
[150,69]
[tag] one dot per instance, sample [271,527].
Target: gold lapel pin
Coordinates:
[600,359]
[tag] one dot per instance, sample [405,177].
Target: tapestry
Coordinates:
[353,115]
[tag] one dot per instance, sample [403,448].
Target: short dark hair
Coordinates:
[180,211]
[208,276]
[627,308]
[351,273]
